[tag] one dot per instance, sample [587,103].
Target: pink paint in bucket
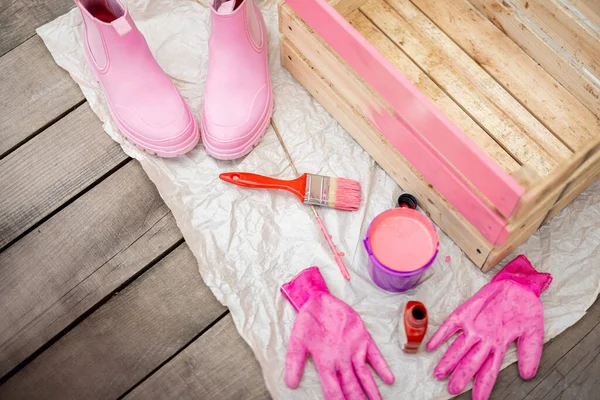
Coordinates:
[401,243]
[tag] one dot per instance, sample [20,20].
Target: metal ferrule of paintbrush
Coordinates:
[317,190]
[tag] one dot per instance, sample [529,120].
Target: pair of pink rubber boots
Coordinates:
[146,106]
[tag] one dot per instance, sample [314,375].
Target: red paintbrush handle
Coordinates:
[255,181]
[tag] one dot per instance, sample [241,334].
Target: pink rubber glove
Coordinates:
[506,309]
[334,335]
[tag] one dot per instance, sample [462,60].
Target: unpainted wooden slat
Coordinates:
[52,168]
[539,210]
[564,30]
[35,92]
[511,386]
[436,207]
[56,273]
[546,188]
[433,91]
[20,18]
[593,5]
[505,17]
[585,15]
[496,53]
[217,365]
[468,84]
[345,7]
[585,176]
[125,339]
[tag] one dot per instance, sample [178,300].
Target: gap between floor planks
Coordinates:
[237,336]
[35,93]
[20,18]
[48,144]
[125,339]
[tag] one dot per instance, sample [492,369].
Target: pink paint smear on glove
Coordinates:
[506,309]
[335,336]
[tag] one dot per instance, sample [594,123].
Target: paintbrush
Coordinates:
[316,190]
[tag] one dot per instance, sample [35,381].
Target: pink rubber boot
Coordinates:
[238,101]
[144,103]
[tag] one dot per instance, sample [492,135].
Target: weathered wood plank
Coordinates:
[574,189]
[567,347]
[593,5]
[511,125]
[35,91]
[20,18]
[577,372]
[588,17]
[52,168]
[507,19]
[496,53]
[126,338]
[564,29]
[217,365]
[345,7]
[76,258]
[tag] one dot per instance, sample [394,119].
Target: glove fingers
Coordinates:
[295,360]
[485,379]
[378,363]
[330,383]
[468,367]
[529,349]
[448,328]
[350,385]
[452,357]
[366,379]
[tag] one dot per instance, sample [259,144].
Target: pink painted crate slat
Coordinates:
[416,115]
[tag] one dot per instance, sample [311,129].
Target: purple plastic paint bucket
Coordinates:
[401,244]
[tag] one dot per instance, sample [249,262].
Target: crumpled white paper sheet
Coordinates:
[249,242]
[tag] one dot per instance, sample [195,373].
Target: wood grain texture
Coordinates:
[593,5]
[588,17]
[565,31]
[75,259]
[468,84]
[574,350]
[497,54]
[217,365]
[509,20]
[345,7]
[20,18]
[585,176]
[125,339]
[436,207]
[52,168]
[35,92]
[433,91]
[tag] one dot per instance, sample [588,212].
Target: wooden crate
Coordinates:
[486,110]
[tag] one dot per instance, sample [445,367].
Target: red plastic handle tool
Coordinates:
[255,181]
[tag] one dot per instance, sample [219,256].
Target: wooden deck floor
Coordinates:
[99,295]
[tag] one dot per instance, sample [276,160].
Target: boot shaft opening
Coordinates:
[104,10]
